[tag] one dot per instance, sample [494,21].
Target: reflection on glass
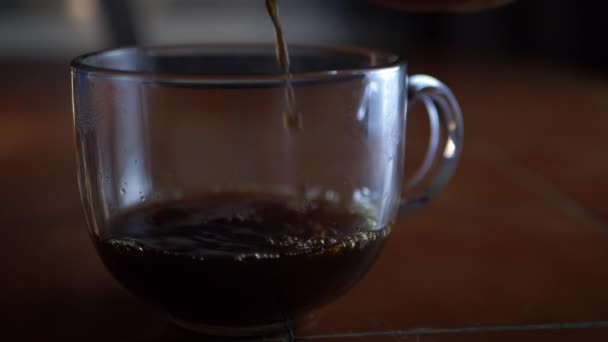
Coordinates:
[450,149]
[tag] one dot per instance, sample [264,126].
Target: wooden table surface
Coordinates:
[516,248]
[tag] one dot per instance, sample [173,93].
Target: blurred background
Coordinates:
[518,237]
[563,31]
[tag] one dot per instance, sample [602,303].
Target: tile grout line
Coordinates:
[540,185]
[466,330]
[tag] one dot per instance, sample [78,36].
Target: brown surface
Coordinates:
[517,241]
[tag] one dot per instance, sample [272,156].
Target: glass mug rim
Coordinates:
[379,61]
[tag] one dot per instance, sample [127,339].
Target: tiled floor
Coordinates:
[516,248]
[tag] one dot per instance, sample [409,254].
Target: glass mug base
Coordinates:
[244,331]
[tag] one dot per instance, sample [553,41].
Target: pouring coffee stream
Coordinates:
[291,118]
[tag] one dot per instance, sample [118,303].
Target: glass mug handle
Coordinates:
[444,116]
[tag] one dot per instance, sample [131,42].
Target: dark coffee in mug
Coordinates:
[240,259]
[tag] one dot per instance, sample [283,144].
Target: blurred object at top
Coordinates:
[441,5]
[120,22]
[565,31]
[39,29]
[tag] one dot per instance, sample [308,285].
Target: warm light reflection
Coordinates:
[80,11]
[450,149]
[452,125]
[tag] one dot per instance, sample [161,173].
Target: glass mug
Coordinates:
[200,201]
